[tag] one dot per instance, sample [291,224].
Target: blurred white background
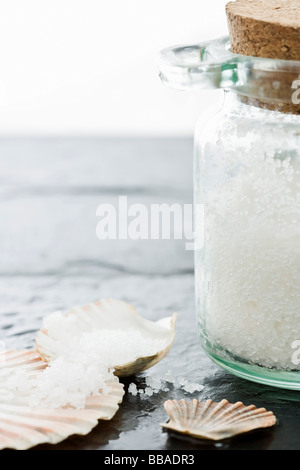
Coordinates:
[89,67]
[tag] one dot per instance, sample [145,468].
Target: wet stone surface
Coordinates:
[51,259]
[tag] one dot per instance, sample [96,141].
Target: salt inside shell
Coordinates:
[23,426]
[111,332]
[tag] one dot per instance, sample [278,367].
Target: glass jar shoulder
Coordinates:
[237,139]
[238,125]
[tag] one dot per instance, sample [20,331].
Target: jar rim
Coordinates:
[212,65]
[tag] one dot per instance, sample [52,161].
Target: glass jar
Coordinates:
[247,180]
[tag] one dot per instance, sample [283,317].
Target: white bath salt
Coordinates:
[191,387]
[15,381]
[181,381]
[156,385]
[68,382]
[115,346]
[148,392]
[169,377]
[84,366]
[153,385]
[133,389]
[252,250]
[153,382]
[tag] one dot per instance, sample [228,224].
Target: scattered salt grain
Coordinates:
[182,381]
[132,389]
[169,377]
[155,385]
[153,382]
[192,387]
[189,387]
[148,392]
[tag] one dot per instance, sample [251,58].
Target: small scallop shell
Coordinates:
[215,421]
[112,315]
[23,427]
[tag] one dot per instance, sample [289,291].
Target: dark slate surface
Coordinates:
[51,259]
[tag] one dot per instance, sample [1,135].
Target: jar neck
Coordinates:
[234,103]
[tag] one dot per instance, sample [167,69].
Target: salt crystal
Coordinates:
[155,385]
[189,387]
[182,381]
[132,389]
[153,382]
[148,391]
[169,377]
[192,387]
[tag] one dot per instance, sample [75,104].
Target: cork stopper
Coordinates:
[266,28]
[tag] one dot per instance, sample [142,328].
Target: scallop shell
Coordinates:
[23,427]
[112,314]
[215,421]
